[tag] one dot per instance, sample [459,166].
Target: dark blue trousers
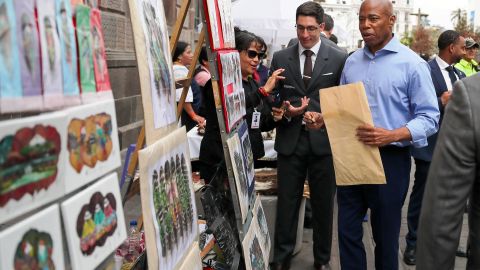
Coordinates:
[415,203]
[385,203]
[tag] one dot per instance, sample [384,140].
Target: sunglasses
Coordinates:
[252,54]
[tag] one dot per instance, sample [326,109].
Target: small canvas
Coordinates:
[241,181]
[29,58]
[92,147]
[33,243]
[32,162]
[68,52]
[168,201]
[247,156]
[260,219]
[214,24]
[154,66]
[253,252]
[51,62]
[85,53]
[94,223]
[232,93]
[10,79]
[102,77]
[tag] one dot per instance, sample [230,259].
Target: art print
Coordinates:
[247,157]
[51,62]
[233,95]
[252,250]
[85,51]
[34,243]
[68,51]
[92,146]
[31,163]
[157,82]
[10,87]
[241,181]
[214,24]
[261,222]
[228,33]
[168,201]
[102,77]
[94,223]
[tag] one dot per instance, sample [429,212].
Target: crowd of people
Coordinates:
[425,110]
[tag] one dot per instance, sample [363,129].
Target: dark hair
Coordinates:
[262,43]
[447,38]
[179,50]
[333,38]
[328,20]
[310,8]
[243,39]
[203,56]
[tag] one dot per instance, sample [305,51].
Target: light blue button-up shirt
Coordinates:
[399,90]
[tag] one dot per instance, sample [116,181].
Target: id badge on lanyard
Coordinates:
[256,119]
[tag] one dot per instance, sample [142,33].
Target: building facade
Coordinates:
[473,14]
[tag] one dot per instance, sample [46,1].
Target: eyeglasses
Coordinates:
[310,29]
[252,54]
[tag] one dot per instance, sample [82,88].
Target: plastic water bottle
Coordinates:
[133,241]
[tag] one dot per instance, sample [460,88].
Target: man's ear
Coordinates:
[392,20]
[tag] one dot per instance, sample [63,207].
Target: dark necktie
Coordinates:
[307,67]
[451,74]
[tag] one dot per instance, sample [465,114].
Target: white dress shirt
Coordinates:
[302,56]
[443,65]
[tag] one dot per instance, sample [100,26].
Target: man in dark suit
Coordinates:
[451,49]
[312,64]
[454,177]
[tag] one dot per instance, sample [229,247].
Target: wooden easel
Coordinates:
[133,187]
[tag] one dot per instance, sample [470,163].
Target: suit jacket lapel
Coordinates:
[437,77]
[320,63]
[294,64]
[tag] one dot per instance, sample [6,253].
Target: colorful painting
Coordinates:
[233,95]
[11,86]
[68,51]
[241,180]
[252,250]
[247,157]
[261,221]
[156,77]
[102,77]
[51,62]
[213,24]
[31,163]
[85,49]
[75,3]
[92,145]
[34,243]
[94,223]
[168,201]
[29,59]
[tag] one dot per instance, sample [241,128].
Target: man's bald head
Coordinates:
[384,5]
[376,22]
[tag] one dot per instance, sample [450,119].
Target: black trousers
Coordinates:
[292,171]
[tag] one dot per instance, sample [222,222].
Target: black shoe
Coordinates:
[409,256]
[461,253]
[285,265]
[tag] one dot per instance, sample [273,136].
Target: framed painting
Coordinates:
[11,87]
[102,77]
[232,93]
[214,24]
[260,220]
[94,223]
[85,53]
[155,67]
[50,56]
[34,243]
[32,162]
[68,52]
[168,201]
[92,146]
[247,158]
[228,33]
[238,166]
[253,252]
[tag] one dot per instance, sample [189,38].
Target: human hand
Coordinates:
[292,111]
[445,97]
[313,120]
[200,121]
[277,113]
[273,79]
[375,136]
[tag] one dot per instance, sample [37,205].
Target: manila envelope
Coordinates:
[344,108]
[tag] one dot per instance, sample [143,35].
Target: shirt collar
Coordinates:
[392,46]
[314,49]
[441,63]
